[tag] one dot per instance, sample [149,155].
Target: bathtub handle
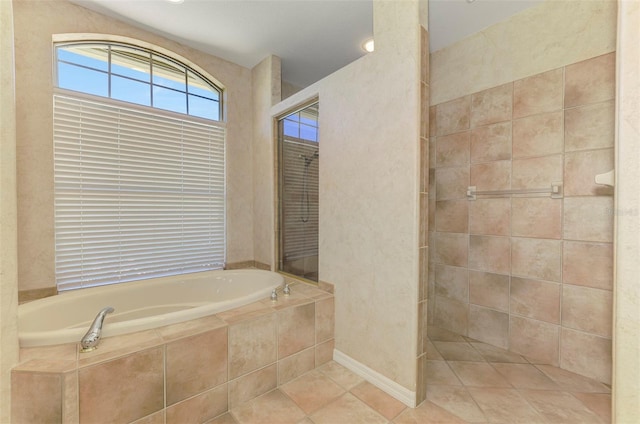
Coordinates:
[286,290]
[91,339]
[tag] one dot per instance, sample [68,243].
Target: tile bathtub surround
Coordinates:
[186,372]
[527,273]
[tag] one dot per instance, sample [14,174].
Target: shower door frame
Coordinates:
[279,239]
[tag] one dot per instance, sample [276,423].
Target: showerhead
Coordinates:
[309,159]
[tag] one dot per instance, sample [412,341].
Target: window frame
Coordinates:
[66,40]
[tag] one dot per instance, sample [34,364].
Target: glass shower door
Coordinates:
[299,158]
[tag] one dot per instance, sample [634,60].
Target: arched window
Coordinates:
[136,75]
[139,166]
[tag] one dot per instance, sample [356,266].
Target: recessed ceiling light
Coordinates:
[470,1]
[176,1]
[368,45]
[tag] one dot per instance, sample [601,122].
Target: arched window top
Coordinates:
[135,74]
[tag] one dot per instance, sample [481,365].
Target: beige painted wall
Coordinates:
[8,257]
[35,22]
[266,93]
[369,143]
[548,36]
[626,365]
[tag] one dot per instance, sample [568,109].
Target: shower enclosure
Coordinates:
[298,164]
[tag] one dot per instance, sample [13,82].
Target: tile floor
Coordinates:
[468,382]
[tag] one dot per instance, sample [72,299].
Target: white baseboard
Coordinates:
[385,384]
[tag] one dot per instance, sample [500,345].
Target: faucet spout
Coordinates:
[91,339]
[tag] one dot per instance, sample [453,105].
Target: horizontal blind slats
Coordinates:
[137,194]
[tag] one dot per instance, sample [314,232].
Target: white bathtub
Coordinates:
[140,305]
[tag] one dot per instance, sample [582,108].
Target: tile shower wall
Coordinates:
[531,274]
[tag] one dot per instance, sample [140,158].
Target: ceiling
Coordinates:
[312,37]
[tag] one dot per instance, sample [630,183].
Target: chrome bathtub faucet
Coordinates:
[286,290]
[91,339]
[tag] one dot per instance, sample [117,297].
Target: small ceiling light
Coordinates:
[470,1]
[368,45]
[176,1]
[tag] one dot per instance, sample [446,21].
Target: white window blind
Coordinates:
[137,194]
[300,199]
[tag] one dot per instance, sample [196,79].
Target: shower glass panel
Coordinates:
[299,158]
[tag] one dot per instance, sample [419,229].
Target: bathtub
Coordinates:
[140,305]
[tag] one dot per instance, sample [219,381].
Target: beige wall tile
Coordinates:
[537,172]
[536,258]
[490,290]
[586,354]
[589,127]
[451,183]
[491,175]
[200,408]
[539,217]
[452,216]
[491,142]
[453,116]
[296,329]
[588,218]
[451,315]
[538,135]
[538,94]
[424,220]
[453,149]
[423,285]
[452,282]
[489,326]
[536,340]
[588,264]
[252,385]
[252,344]
[424,165]
[451,249]
[124,389]
[46,388]
[432,149]
[490,217]
[295,365]
[424,109]
[580,169]
[432,121]
[535,299]
[185,374]
[325,319]
[490,253]
[587,309]
[492,105]
[70,406]
[324,352]
[590,81]
[156,418]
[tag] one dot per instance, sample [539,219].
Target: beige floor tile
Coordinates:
[427,413]
[439,373]
[223,419]
[347,409]
[458,351]
[382,403]
[505,406]
[560,407]
[599,403]
[442,335]
[273,407]
[572,382]
[312,391]
[432,352]
[525,376]
[341,375]
[457,401]
[496,354]
[478,374]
